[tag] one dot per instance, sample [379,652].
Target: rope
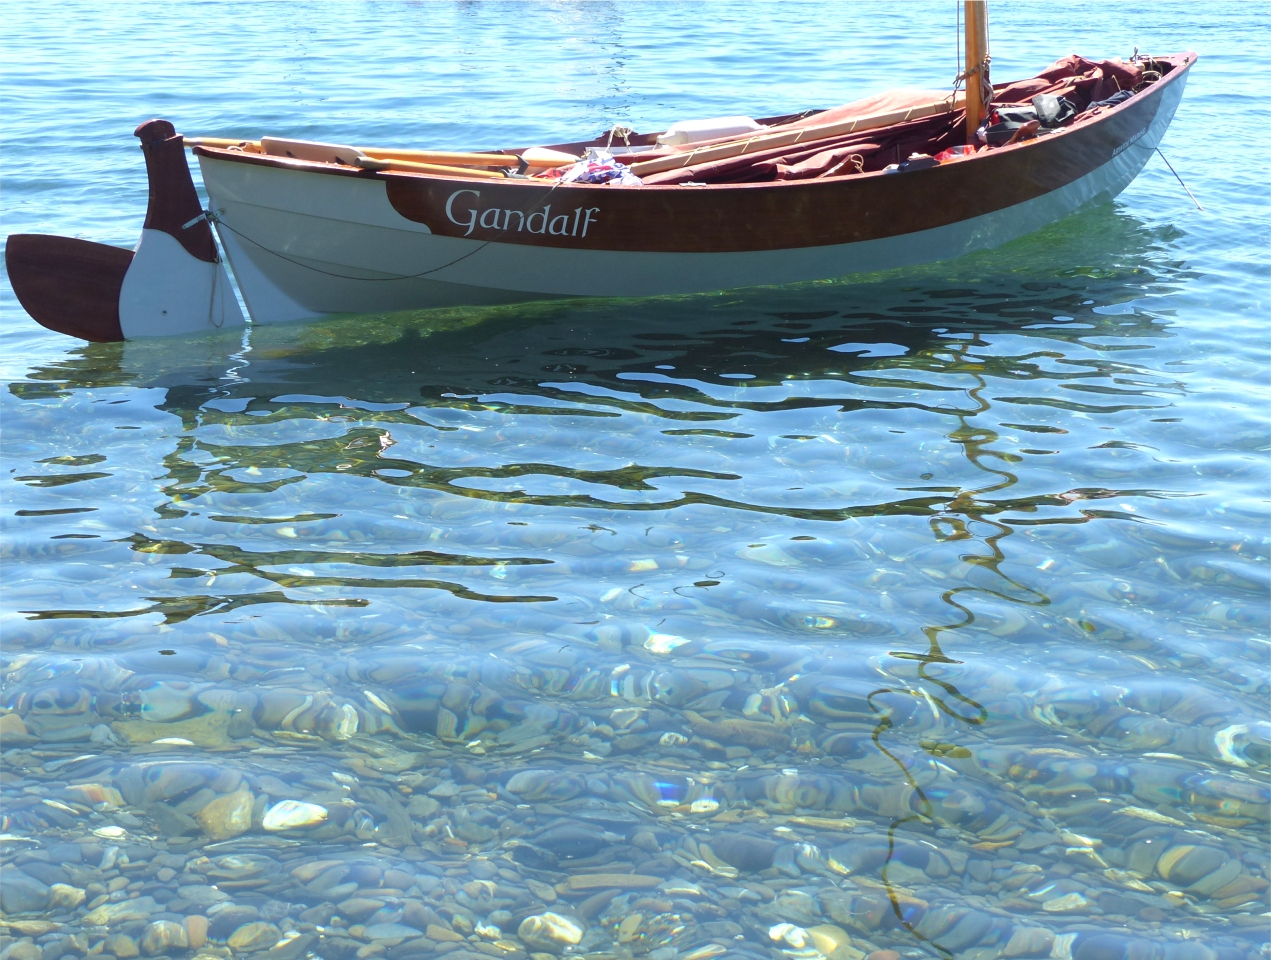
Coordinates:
[620,130]
[213,218]
[986,86]
[1180,180]
[216,267]
[216,280]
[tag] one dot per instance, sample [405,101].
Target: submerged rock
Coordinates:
[109,914]
[550,932]
[62,896]
[227,816]
[293,814]
[21,892]
[251,937]
[121,945]
[162,936]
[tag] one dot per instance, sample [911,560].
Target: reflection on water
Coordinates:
[884,618]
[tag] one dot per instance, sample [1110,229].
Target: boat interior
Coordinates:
[896,130]
[1082,82]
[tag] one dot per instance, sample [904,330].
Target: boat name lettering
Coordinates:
[1133,140]
[573,224]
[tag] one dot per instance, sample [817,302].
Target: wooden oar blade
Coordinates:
[69,286]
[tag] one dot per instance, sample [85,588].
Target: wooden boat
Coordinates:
[312,229]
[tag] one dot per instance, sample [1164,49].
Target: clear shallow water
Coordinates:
[922,612]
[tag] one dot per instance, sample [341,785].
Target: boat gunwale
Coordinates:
[1181,62]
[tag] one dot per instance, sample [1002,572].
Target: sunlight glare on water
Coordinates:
[921,614]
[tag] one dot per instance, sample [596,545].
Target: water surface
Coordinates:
[918,614]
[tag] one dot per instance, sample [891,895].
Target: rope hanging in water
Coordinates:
[1180,181]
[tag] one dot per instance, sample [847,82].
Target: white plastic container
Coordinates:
[695,131]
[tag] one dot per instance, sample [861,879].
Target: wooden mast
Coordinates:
[977,50]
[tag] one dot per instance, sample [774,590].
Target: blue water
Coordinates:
[916,614]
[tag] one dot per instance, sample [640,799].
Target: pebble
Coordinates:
[229,917]
[201,894]
[91,794]
[545,892]
[227,816]
[663,643]
[161,936]
[251,937]
[442,934]
[21,893]
[33,928]
[423,807]
[1028,942]
[390,931]
[121,945]
[109,914]
[706,952]
[1068,903]
[618,881]
[293,814]
[62,896]
[549,932]
[834,942]
[25,950]
[749,854]
[195,930]
[628,927]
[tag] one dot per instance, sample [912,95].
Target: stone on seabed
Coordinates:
[65,897]
[834,942]
[255,936]
[1028,942]
[549,931]
[442,934]
[227,816]
[161,936]
[21,892]
[1068,903]
[121,945]
[390,931]
[111,913]
[290,814]
[195,930]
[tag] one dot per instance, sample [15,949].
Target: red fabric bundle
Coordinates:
[1081,81]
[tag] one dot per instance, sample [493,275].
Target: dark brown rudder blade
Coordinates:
[173,200]
[69,286]
[72,286]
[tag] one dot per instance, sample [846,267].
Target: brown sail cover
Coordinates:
[1080,80]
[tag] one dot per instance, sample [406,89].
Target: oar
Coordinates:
[436,169]
[448,157]
[782,138]
[533,157]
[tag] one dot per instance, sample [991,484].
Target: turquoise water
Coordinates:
[920,614]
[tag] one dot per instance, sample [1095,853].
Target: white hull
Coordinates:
[305,244]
